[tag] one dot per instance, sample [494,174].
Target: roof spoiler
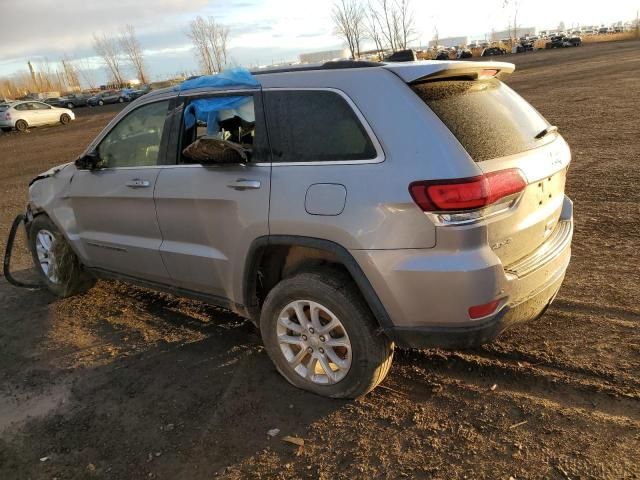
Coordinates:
[416,72]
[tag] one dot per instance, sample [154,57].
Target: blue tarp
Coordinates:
[234,77]
[206,109]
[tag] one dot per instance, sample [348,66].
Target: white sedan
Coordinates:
[30,113]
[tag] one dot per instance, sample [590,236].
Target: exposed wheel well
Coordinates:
[283,261]
[274,258]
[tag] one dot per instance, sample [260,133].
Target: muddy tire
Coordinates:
[322,337]
[21,125]
[65,118]
[44,243]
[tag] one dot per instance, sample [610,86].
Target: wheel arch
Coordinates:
[279,244]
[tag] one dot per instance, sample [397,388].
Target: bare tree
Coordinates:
[406,30]
[348,19]
[210,41]
[130,45]
[86,72]
[108,49]
[373,29]
[70,73]
[515,5]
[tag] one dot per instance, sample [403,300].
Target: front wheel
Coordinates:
[21,125]
[56,263]
[70,105]
[100,102]
[65,118]
[322,337]
[121,100]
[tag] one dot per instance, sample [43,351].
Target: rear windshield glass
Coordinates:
[488,118]
[3,106]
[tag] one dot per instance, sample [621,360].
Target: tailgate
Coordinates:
[533,219]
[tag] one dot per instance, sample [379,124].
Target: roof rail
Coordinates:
[335,64]
[332,65]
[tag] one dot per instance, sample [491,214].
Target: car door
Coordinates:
[46,114]
[210,214]
[113,204]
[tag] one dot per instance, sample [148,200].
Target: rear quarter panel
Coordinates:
[379,212]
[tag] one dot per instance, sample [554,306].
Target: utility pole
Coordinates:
[33,74]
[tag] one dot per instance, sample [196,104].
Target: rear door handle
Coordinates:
[242,184]
[138,183]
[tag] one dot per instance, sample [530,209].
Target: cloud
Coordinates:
[70,27]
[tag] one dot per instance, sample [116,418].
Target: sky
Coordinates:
[262,32]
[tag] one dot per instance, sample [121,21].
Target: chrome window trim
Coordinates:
[379,158]
[380,155]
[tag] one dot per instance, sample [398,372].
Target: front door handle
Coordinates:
[242,184]
[138,183]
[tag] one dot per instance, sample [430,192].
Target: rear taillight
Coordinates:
[465,194]
[7,116]
[480,311]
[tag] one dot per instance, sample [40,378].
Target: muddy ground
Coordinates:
[127,383]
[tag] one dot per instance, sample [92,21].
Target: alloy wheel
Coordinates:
[44,249]
[314,342]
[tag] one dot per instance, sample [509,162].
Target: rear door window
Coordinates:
[488,118]
[314,125]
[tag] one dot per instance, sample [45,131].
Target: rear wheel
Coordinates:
[65,118]
[100,102]
[322,337]
[56,263]
[21,125]
[120,100]
[70,105]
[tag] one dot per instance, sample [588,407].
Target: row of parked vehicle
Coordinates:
[99,99]
[23,114]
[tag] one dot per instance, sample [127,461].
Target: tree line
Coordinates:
[389,24]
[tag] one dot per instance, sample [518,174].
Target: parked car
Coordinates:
[492,51]
[334,270]
[402,56]
[54,101]
[575,41]
[132,94]
[112,96]
[73,101]
[559,41]
[24,114]
[442,55]
[464,53]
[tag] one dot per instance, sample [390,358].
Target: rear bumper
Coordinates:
[428,293]
[475,335]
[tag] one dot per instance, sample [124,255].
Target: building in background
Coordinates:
[449,42]
[326,56]
[521,32]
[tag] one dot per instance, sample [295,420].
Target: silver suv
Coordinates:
[342,207]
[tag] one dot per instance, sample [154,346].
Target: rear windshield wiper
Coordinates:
[546,131]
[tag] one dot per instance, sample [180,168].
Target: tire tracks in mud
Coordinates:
[546,386]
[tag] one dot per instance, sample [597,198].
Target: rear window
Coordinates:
[314,126]
[488,118]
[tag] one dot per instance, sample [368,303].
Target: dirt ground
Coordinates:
[127,383]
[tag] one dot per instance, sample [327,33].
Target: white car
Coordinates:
[31,113]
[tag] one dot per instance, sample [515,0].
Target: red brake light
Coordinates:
[480,311]
[466,193]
